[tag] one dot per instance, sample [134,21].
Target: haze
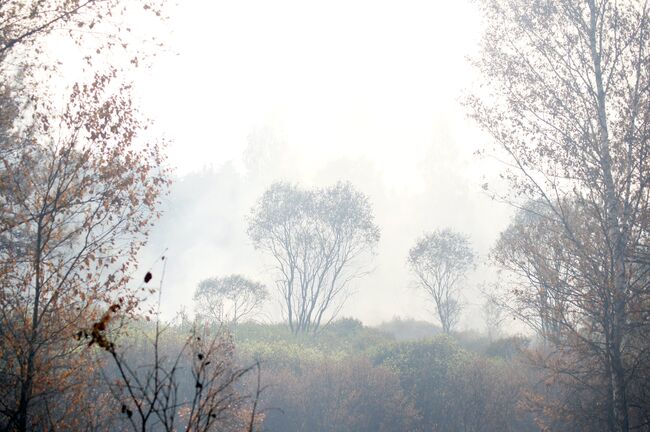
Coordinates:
[315,93]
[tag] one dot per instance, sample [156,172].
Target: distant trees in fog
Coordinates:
[536,261]
[441,260]
[319,240]
[566,97]
[228,299]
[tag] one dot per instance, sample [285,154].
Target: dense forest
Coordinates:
[92,216]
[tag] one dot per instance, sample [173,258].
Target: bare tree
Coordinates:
[537,272]
[228,299]
[569,85]
[440,261]
[317,239]
[197,389]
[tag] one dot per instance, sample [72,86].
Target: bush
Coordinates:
[337,395]
[453,389]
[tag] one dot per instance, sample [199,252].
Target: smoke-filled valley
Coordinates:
[351,216]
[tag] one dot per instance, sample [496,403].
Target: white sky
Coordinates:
[342,78]
[373,83]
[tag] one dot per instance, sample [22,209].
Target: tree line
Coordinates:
[565,99]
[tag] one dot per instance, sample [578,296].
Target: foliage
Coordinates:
[409,329]
[535,258]
[568,102]
[228,299]
[453,389]
[441,260]
[352,377]
[77,203]
[508,347]
[25,23]
[78,191]
[335,395]
[316,238]
[276,345]
[194,389]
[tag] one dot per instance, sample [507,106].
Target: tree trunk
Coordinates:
[28,377]
[616,237]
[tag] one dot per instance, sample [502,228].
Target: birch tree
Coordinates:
[79,190]
[566,97]
[78,200]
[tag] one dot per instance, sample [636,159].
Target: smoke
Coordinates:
[203,226]
[359,91]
